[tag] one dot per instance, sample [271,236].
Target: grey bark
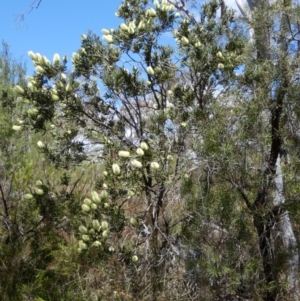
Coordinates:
[285,232]
[284,225]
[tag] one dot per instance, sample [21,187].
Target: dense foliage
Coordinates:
[155,168]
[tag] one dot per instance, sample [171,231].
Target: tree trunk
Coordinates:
[286,233]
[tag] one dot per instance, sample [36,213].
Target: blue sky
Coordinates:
[53,27]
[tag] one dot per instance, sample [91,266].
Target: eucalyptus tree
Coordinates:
[255,126]
[276,44]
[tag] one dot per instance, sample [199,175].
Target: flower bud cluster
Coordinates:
[17,128]
[140,151]
[130,28]
[32,112]
[95,232]
[150,13]
[19,90]
[187,38]
[39,190]
[108,35]
[91,204]
[164,5]
[41,63]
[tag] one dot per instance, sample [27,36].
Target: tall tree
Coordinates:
[284,32]
[191,136]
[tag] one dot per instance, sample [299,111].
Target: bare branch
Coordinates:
[34,5]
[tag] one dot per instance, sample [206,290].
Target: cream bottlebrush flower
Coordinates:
[151,12]
[103,195]
[124,154]
[221,66]
[83,37]
[133,222]
[17,128]
[30,78]
[68,87]
[183,124]
[108,38]
[130,193]
[141,25]
[171,7]
[154,165]
[28,196]
[116,169]
[124,27]
[56,58]
[87,201]
[156,4]
[96,224]
[131,30]
[104,225]
[219,55]
[30,86]
[95,197]
[82,229]
[32,112]
[19,89]
[39,58]
[94,206]
[39,183]
[164,7]
[75,56]
[45,61]
[39,191]
[198,44]
[32,55]
[39,69]
[134,258]
[169,157]
[85,208]
[82,245]
[85,237]
[54,90]
[105,31]
[136,163]
[184,41]
[55,97]
[144,146]
[82,50]
[40,144]
[97,244]
[150,70]
[105,234]
[140,152]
